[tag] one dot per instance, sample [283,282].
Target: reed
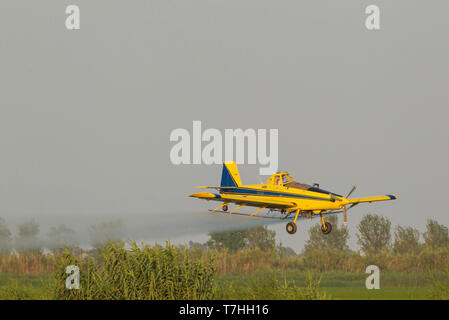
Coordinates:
[27,263]
[137,273]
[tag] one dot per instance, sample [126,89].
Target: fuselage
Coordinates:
[304,199]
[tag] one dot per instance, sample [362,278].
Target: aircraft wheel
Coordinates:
[328,228]
[291,227]
[225,208]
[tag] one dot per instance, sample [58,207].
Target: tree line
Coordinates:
[29,239]
[374,235]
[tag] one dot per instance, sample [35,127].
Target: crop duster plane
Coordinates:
[283,196]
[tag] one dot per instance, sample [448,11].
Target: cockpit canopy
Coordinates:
[284,179]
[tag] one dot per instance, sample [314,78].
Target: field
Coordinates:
[382,294]
[144,272]
[342,286]
[241,264]
[337,286]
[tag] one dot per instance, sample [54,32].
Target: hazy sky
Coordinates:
[85,115]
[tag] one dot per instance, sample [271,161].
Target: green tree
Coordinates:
[287,251]
[436,235]
[337,239]
[28,237]
[197,245]
[232,240]
[257,237]
[109,231]
[5,237]
[406,239]
[374,233]
[260,237]
[60,237]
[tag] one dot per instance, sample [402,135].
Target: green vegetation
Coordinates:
[5,237]
[406,240]
[108,231]
[251,238]
[439,286]
[336,240]
[389,293]
[137,273]
[374,233]
[267,285]
[25,287]
[28,238]
[246,264]
[436,235]
[61,237]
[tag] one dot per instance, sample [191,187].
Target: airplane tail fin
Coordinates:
[230,175]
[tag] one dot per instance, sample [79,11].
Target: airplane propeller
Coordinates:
[352,190]
[345,210]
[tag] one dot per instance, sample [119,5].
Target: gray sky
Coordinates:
[85,115]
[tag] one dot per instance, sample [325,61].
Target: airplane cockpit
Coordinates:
[285,179]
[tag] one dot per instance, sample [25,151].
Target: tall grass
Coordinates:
[266,285]
[137,273]
[116,271]
[246,261]
[27,263]
[25,286]
[335,260]
[439,287]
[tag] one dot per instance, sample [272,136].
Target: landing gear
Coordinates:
[291,227]
[326,228]
[225,207]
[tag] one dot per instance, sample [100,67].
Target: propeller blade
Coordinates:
[352,190]
[345,210]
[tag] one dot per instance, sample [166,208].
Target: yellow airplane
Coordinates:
[284,195]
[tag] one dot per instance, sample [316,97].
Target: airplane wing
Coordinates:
[373,199]
[245,200]
[207,187]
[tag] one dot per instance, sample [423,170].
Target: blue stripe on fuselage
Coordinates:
[270,193]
